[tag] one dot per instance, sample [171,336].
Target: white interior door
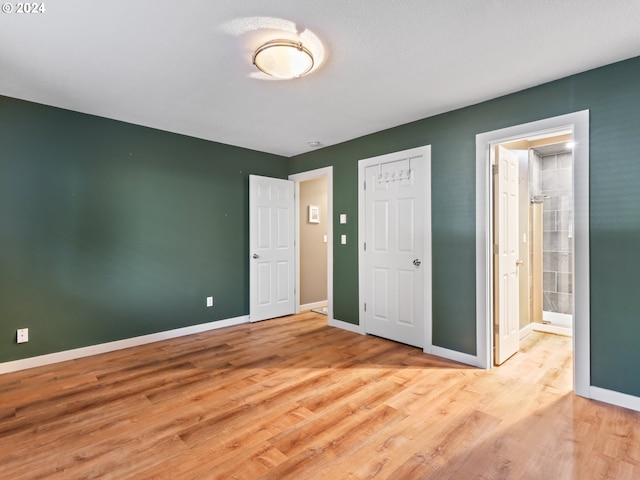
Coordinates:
[271,248]
[394,249]
[506,286]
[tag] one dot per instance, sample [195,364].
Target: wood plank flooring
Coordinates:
[292,398]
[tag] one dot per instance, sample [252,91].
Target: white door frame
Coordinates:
[326,172]
[425,153]
[579,123]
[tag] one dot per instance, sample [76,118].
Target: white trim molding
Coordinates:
[559,319]
[615,398]
[555,329]
[311,306]
[350,327]
[66,355]
[526,331]
[459,357]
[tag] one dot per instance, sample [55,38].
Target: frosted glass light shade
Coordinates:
[283,59]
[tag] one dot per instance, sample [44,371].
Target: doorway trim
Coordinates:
[425,152]
[579,123]
[326,172]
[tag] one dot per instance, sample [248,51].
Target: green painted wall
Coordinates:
[612,94]
[110,230]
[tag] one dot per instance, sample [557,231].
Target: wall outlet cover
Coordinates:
[23,335]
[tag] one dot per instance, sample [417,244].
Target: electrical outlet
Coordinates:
[209,301]
[23,335]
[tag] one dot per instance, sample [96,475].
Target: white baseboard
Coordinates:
[311,306]
[455,356]
[346,326]
[615,398]
[57,357]
[526,331]
[547,328]
[560,319]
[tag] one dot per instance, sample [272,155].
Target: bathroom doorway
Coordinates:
[545,233]
[576,123]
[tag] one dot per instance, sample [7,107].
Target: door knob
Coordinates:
[255,255]
[417,262]
[519,263]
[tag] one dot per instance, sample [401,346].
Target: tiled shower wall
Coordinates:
[553,178]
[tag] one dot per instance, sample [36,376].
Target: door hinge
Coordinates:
[496,249]
[365,185]
[365,306]
[494,168]
[365,246]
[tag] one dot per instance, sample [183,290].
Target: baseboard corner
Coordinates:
[346,326]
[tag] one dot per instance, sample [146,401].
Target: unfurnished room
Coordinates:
[320,240]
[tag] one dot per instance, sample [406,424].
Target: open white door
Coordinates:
[395,264]
[506,286]
[271,248]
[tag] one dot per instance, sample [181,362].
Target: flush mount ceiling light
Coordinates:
[283,59]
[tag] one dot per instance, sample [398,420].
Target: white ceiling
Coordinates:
[186,66]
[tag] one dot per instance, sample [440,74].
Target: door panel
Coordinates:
[406,297]
[271,243]
[394,216]
[507,287]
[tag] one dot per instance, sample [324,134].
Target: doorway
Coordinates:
[314,233]
[314,238]
[578,124]
[533,277]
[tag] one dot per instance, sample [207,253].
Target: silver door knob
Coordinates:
[417,262]
[255,255]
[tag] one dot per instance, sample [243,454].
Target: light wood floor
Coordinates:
[294,398]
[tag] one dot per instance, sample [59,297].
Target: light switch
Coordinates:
[343,218]
[324,239]
[343,239]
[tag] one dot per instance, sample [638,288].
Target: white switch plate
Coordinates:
[324,239]
[23,335]
[209,301]
[343,218]
[343,239]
